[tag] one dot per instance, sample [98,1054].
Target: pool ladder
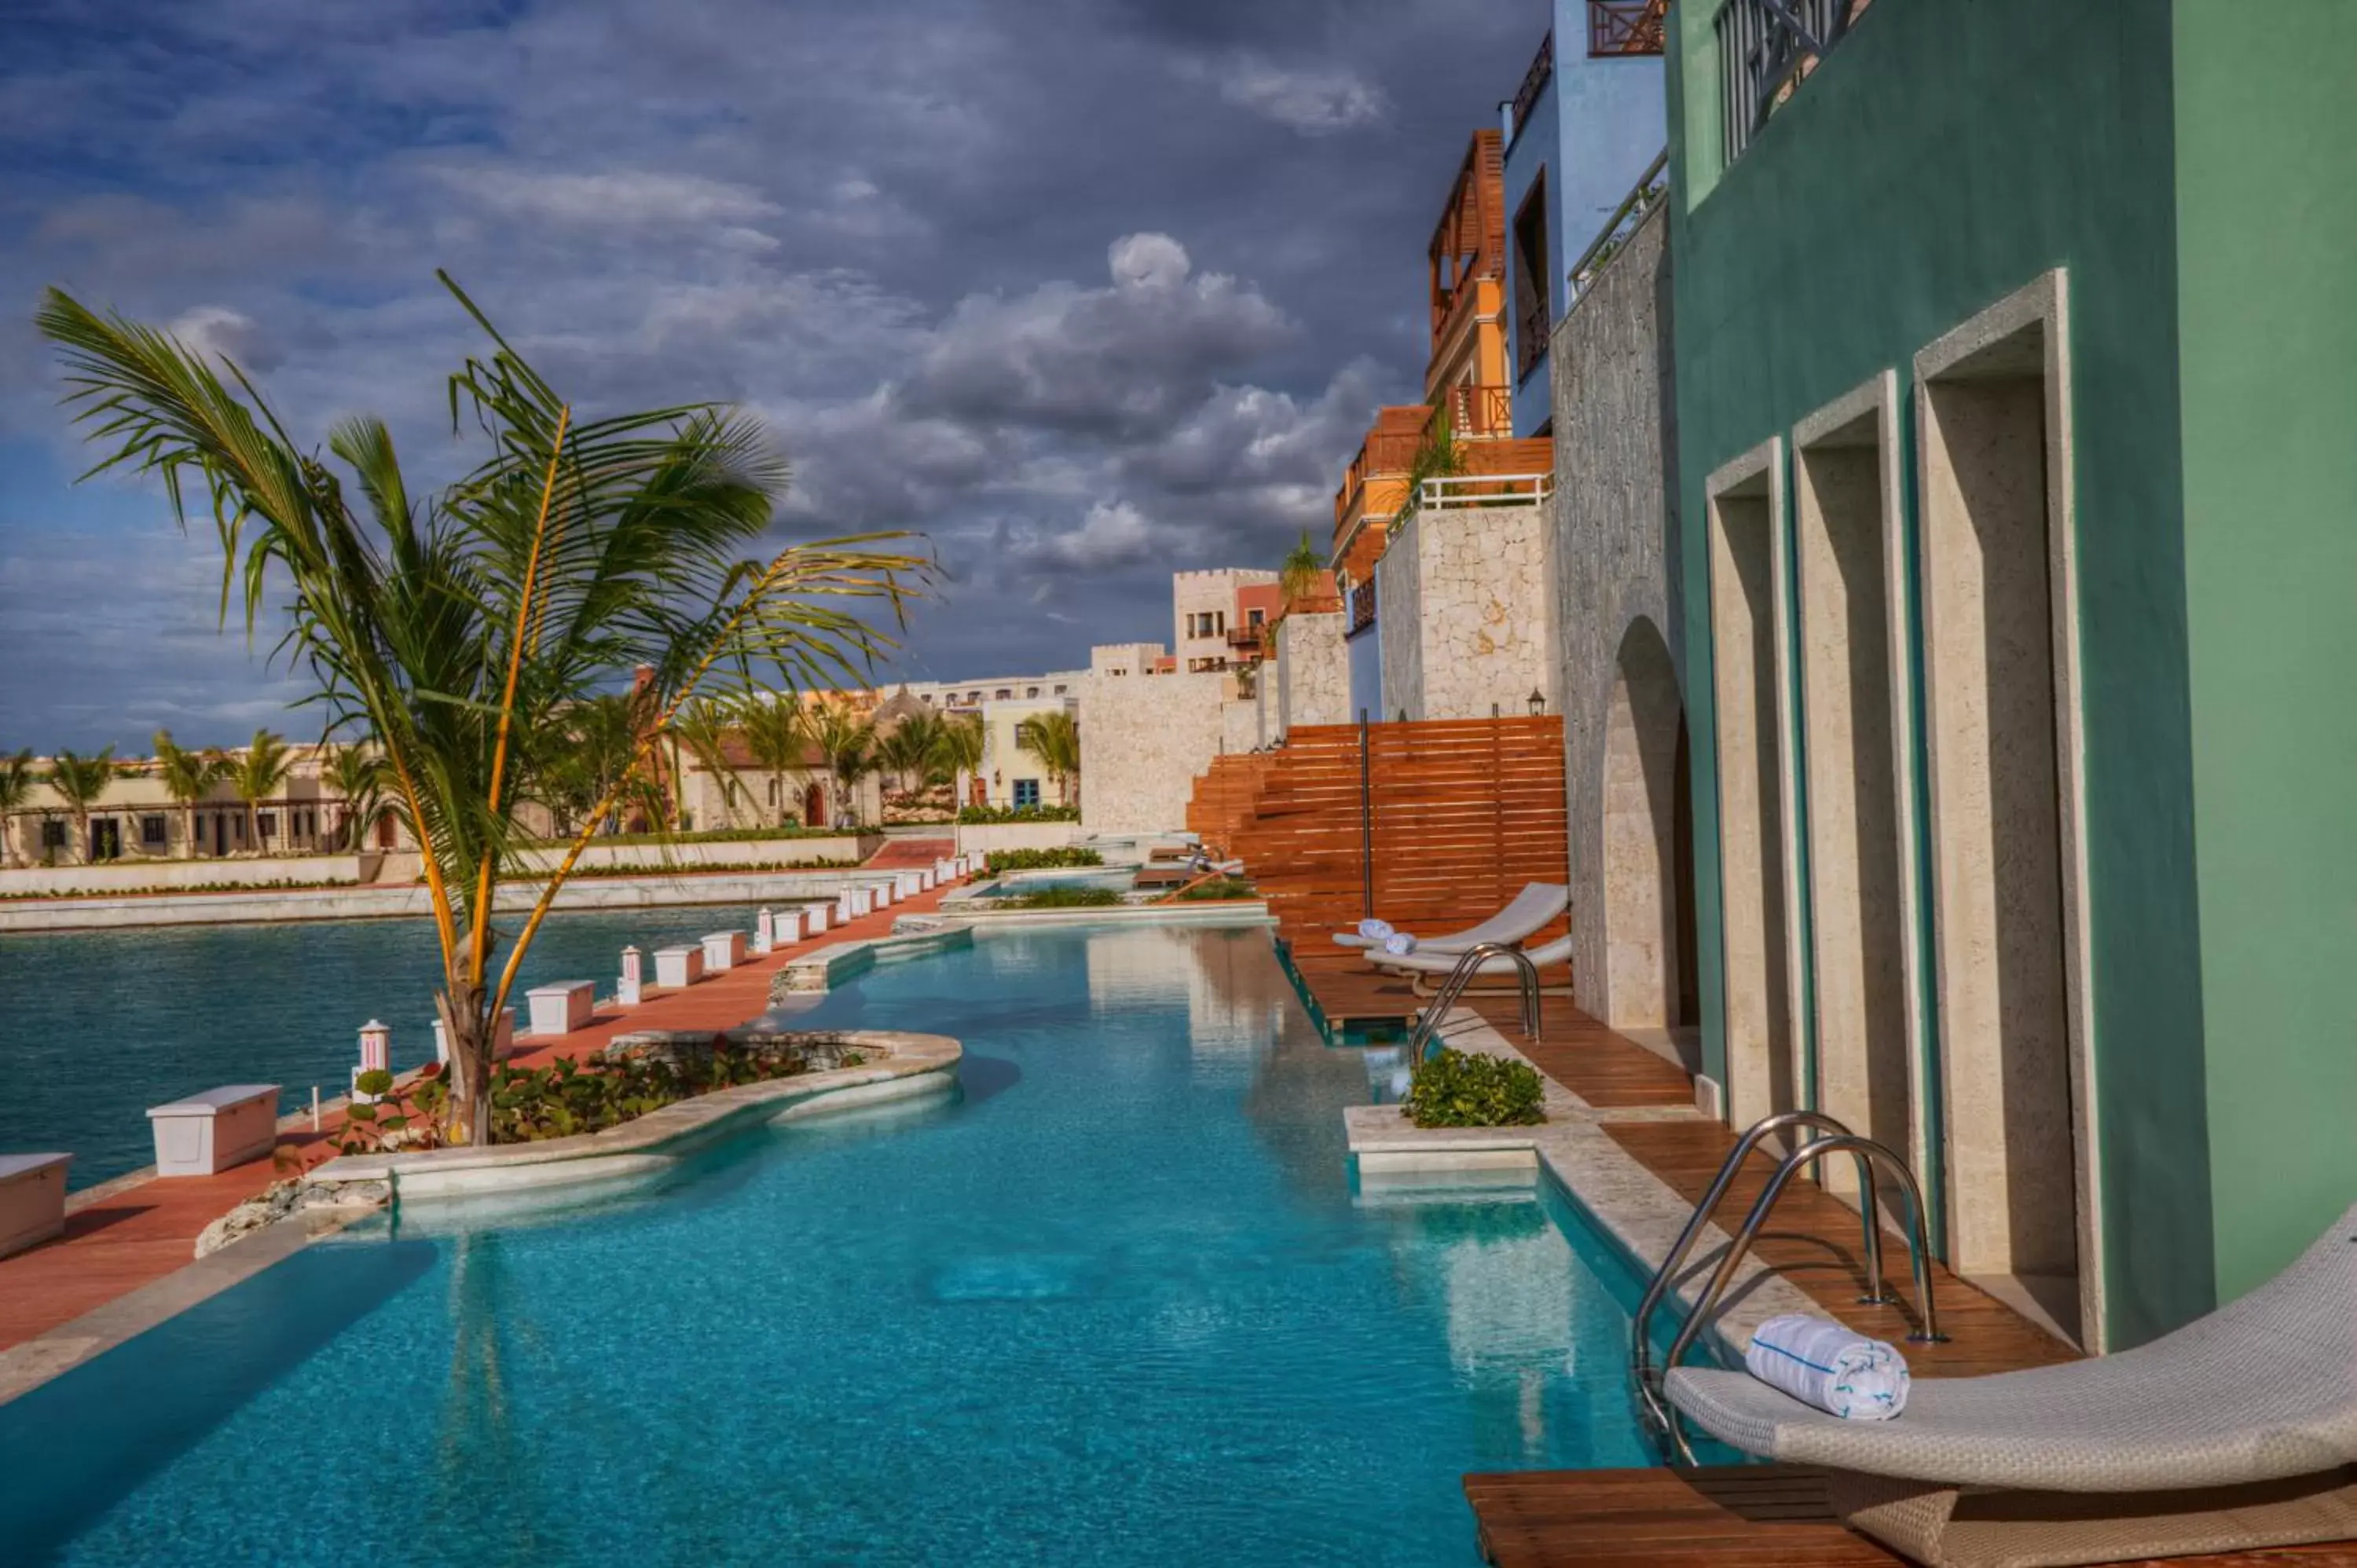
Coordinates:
[1467,969]
[1836,1138]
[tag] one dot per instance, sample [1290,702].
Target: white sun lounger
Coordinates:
[1532,907]
[2240,1430]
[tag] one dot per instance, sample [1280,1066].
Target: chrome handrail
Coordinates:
[1462,975]
[1640,1348]
[1918,1246]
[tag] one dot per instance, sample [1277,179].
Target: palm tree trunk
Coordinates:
[469,1032]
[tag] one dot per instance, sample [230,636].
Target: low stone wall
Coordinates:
[981,838]
[138,874]
[1143,741]
[1313,670]
[1466,613]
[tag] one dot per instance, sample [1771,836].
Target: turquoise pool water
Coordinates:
[99,1026]
[1117,1302]
[1120,878]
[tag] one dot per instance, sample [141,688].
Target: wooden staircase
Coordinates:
[1461,815]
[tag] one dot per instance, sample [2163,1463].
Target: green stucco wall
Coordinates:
[1945,156]
[2267,194]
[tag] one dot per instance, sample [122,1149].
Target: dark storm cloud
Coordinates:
[1087,290]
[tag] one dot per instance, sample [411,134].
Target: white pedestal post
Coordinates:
[376,1055]
[765,932]
[627,992]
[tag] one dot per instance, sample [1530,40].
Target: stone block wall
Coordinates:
[1313,672]
[1144,740]
[1465,613]
[1619,658]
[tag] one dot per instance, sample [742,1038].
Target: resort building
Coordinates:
[1129,659]
[138,817]
[1012,776]
[1220,619]
[968,696]
[1583,127]
[2015,364]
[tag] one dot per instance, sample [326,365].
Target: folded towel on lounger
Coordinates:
[1821,1363]
[1375,930]
[1398,943]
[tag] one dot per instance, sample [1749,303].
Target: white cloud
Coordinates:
[1114,534]
[621,199]
[227,334]
[1317,101]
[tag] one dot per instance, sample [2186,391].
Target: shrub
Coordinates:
[407,1118]
[1000,860]
[974,816]
[1455,1088]
[563,1099]
[1222,887]
[1062,899]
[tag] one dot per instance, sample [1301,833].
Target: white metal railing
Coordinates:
[1461,492]
[1642,197]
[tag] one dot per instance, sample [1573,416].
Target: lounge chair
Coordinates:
[2236,1431]
[1520,920]
[1429,969]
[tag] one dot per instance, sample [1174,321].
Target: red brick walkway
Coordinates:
[134,1237]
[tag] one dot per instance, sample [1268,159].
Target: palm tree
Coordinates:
[962,749]
[80,782]
[703,728]
[187,776]
[914,746]
[357,775]
[772,724]
[17,777]
[440,629]
[589,754]
[258,775]
[847,744]
[1302,575]
[1055,740]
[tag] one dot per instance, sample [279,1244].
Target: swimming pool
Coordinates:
[102,1025]
[1116,1302]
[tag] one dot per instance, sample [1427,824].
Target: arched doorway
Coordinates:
[814,804]
[1649,926]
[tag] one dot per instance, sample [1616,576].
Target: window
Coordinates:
[1004,692]
[151,833]
[1257,619]
[1031,691]
[1059,691]
[773,791]
[53,835]
[1027,791]
[266,823]
[1533,283]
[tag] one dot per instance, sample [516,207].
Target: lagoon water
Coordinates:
[96,1026]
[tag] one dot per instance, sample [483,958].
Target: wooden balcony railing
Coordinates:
[1475,412]
[1384,455]
[1625,27]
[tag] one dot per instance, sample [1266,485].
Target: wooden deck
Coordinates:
[1735,1516]
[135,1233]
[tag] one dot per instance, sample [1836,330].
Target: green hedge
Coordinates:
[1454,1089]
[1061,898]
[985,816]
[1222,887]
[706,835]
[1000,860]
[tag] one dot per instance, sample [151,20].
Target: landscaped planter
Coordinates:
[209,1132]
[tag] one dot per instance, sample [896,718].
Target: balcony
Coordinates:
[1375,484]
[1468,248]
[1509,472]
[1534,82]
[1625,28]
[1766,49]
[1474,413]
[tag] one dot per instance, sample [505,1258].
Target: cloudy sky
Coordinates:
[1084,290]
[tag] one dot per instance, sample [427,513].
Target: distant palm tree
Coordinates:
[187,776]
[962,749]
[702,728]
[590,753]
[913,750]
[1302,575]
[773,723]
[258,775]
[80,782]
[848,744]
[17,777]
[1055,740]
[357,775]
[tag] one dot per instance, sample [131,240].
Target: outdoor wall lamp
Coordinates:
[1538,702]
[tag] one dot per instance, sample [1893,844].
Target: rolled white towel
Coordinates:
[1375,930]
[1399,944]
[1821,1363]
